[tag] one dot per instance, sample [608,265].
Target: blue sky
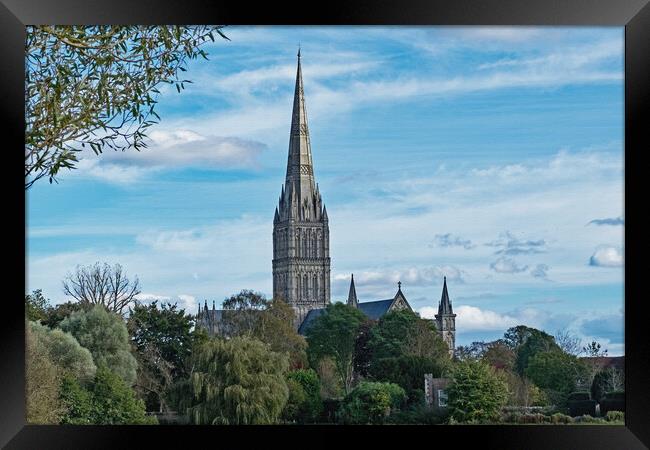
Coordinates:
[492,156]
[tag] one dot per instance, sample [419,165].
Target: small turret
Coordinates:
[352,295]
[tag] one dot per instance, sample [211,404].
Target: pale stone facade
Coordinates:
[301,250]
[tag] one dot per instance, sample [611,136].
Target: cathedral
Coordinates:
[301,250]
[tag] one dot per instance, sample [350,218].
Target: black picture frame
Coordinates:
[633,14]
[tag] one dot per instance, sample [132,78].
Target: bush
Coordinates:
[311,405]
[613,401]
[534,418]
[589,419]
[582,395]
[330,409]
[615,416]
[417,416]
[561,418]
[371,402]
[582,407]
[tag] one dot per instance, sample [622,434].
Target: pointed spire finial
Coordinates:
[399,285]
[298,49]
[352,295]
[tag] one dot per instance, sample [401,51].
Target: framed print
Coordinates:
[377,220]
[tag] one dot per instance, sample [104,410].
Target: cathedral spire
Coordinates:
[300,172]
[352,295]
[445,305]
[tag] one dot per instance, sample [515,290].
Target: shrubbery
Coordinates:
[371,403]
[615,416]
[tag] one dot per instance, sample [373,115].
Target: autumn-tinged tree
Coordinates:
[235,381]
[36,306]
[42,382]
[96,87]
[275,327]
[242,312]
[102,284]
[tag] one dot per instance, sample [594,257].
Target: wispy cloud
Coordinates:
[507,265]
[608,221]
[509,244]
[449,240]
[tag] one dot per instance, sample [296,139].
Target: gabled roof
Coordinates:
[308,320]
[374,310]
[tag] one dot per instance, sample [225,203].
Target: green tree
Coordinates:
[57,313]
[42,382]
[477,392]
[65,352]
[275,327]
[162,339]
[96,87]
[556,372]
[333,334]
[36,306]
[107,401]
[535,341]
[242,312]
[305,408]
[237,381]
[499,355]
[407,371]
[371,403]
[105,335]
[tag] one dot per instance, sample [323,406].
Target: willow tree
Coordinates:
[235,382]
[96,86]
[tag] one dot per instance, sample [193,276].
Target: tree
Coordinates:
[362,349]
[42,381]
[307,408]
[556,372]
[334,334]
[36,306]
[96,87]
[499,355]
[569,343]
[162,339]
[593,350]
[275,327]
[474,351]
[523,392]
[242,312]
[535,341]
[607,380]
[476,392]
[101,284]
[408,372]
[107,401]
[56,314]
[105,335]
[236,381]
[371,403]
[65,352]
[515,336]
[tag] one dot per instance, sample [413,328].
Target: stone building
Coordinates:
[301,245]
[301,237]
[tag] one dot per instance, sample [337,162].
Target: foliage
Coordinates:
[558,418]
[42,381]
[242,312]
[57,313]
[407,370]
[593,350]
[297,398]
[418,415]
[65,352]
[238,381]
[105,335]
[371,403]
[523,392]
[587,418]
[362,349]
[101,284]
[607,380]
[476,350]
[535,342]
[515,336]
[108,401]
[569,343]
[556,372]
[331,384]
[308,407]
[334,334]
[476,392]
[96,86]
[275,327]
[162,340]
[615,416]
[36,306]
[499,355]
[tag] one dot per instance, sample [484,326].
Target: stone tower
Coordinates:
[301,240]
[446,319]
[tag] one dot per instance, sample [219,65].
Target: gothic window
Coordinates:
[305,286]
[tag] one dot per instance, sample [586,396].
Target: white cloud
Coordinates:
[471,318]
[507,265]
[607,256]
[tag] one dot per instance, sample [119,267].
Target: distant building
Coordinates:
[301,245]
